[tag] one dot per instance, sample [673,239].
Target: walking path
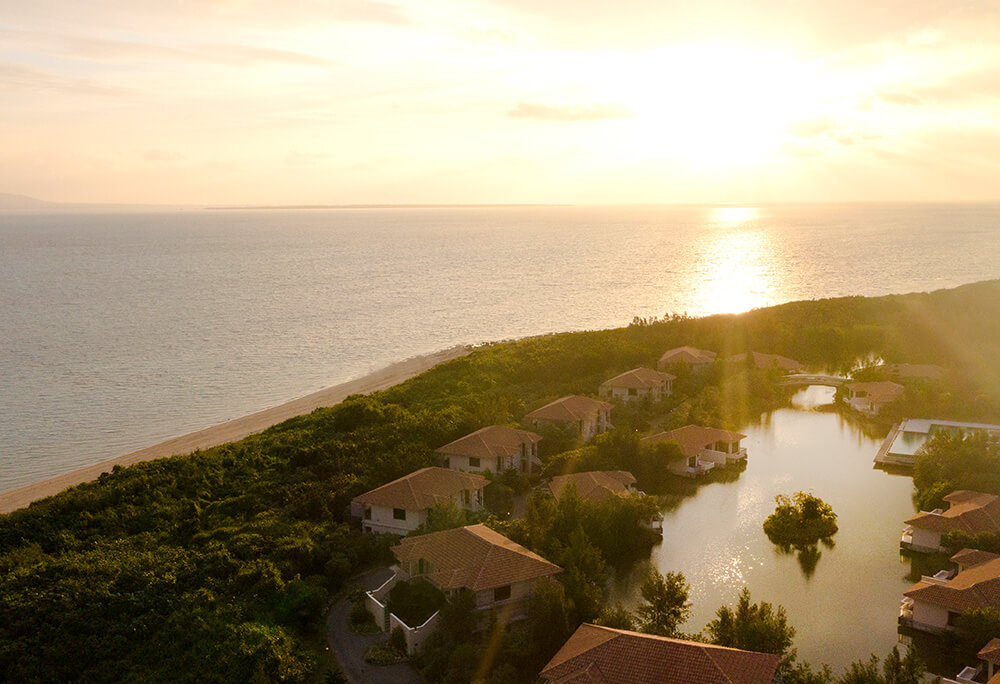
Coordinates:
[349,647]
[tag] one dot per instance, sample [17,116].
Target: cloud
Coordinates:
[899,97]
[18,77]
[121,51]
[161,155]
[548,112]
[809,128]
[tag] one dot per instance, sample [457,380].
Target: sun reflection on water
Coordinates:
[738,265]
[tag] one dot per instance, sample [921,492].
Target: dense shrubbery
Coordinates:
[951,461]
[800,521]
[216,566]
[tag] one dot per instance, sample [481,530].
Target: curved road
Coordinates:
[349,648]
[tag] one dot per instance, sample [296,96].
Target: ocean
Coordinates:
[119,330]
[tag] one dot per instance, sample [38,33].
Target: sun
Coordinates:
[714,105]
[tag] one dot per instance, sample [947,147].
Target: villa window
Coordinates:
[473,462]
[632,391]
[446,463]
[693,462]
[465,496]
[501,593]
[953,618]
[368,513]
[399,514]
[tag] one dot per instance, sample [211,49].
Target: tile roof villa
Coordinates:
[690,356]
[704,448]
[496,448]
[968,511]
[501,574]
[766,361]
[590,416]
[401,506]
[870,397]
[637,384]
[602,655]
[932,604]
[597,485]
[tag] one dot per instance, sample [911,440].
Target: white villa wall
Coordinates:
[382,520]
[928,615]
[415,636]
[926,539]
[622,393]
[460,462]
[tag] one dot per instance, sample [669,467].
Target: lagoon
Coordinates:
[843,608]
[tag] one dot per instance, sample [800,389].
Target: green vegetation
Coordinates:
[388,652]
[950,461]
[415,601]
[219,565]
[752,627]
[664,603]
[800,521]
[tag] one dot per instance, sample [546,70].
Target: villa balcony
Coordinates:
[906,539]
[722,458]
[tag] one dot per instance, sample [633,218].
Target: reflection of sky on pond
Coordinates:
[847,608]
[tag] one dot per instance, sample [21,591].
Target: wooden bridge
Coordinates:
[814,379]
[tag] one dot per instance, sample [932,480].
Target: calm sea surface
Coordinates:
[120,330]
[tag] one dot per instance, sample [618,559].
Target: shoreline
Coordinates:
[235,429]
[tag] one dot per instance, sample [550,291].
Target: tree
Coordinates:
[616,617]
[800,521]
[895,670]
[752,627]
[666,603]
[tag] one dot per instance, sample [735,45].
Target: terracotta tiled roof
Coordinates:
[967,558]
[990,652]
[490,442]
[975,587]
[969,512]
[995,679]
[597,485]
[693,438]
[690,355]
[571,408]
[878,392]
[615,655]
[639,378]
[422,489]
[767,361]
[916,370]
[473,557]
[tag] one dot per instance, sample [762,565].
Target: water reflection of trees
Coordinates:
[807,556]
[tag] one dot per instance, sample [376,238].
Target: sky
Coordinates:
[476,101]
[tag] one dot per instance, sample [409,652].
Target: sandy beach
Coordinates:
[235,429]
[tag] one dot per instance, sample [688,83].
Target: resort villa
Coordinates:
[496,448]
[596,486]
[692,357]
[401,506]
[588,417]
[870,397]
[766,361]
[599,655]
[638,383]
[934,603]
[986,672]
[703,448]
[901,444]
[971,512]
[501,575]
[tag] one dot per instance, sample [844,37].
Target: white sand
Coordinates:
[234,429]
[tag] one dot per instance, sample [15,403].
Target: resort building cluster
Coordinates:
[503,575]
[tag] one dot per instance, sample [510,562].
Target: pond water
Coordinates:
[845,606]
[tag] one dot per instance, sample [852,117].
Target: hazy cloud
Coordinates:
[18,77]
[161,155]
[899,97]
[811,127]
[549,112]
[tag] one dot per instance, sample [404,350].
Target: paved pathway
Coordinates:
[349,648]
